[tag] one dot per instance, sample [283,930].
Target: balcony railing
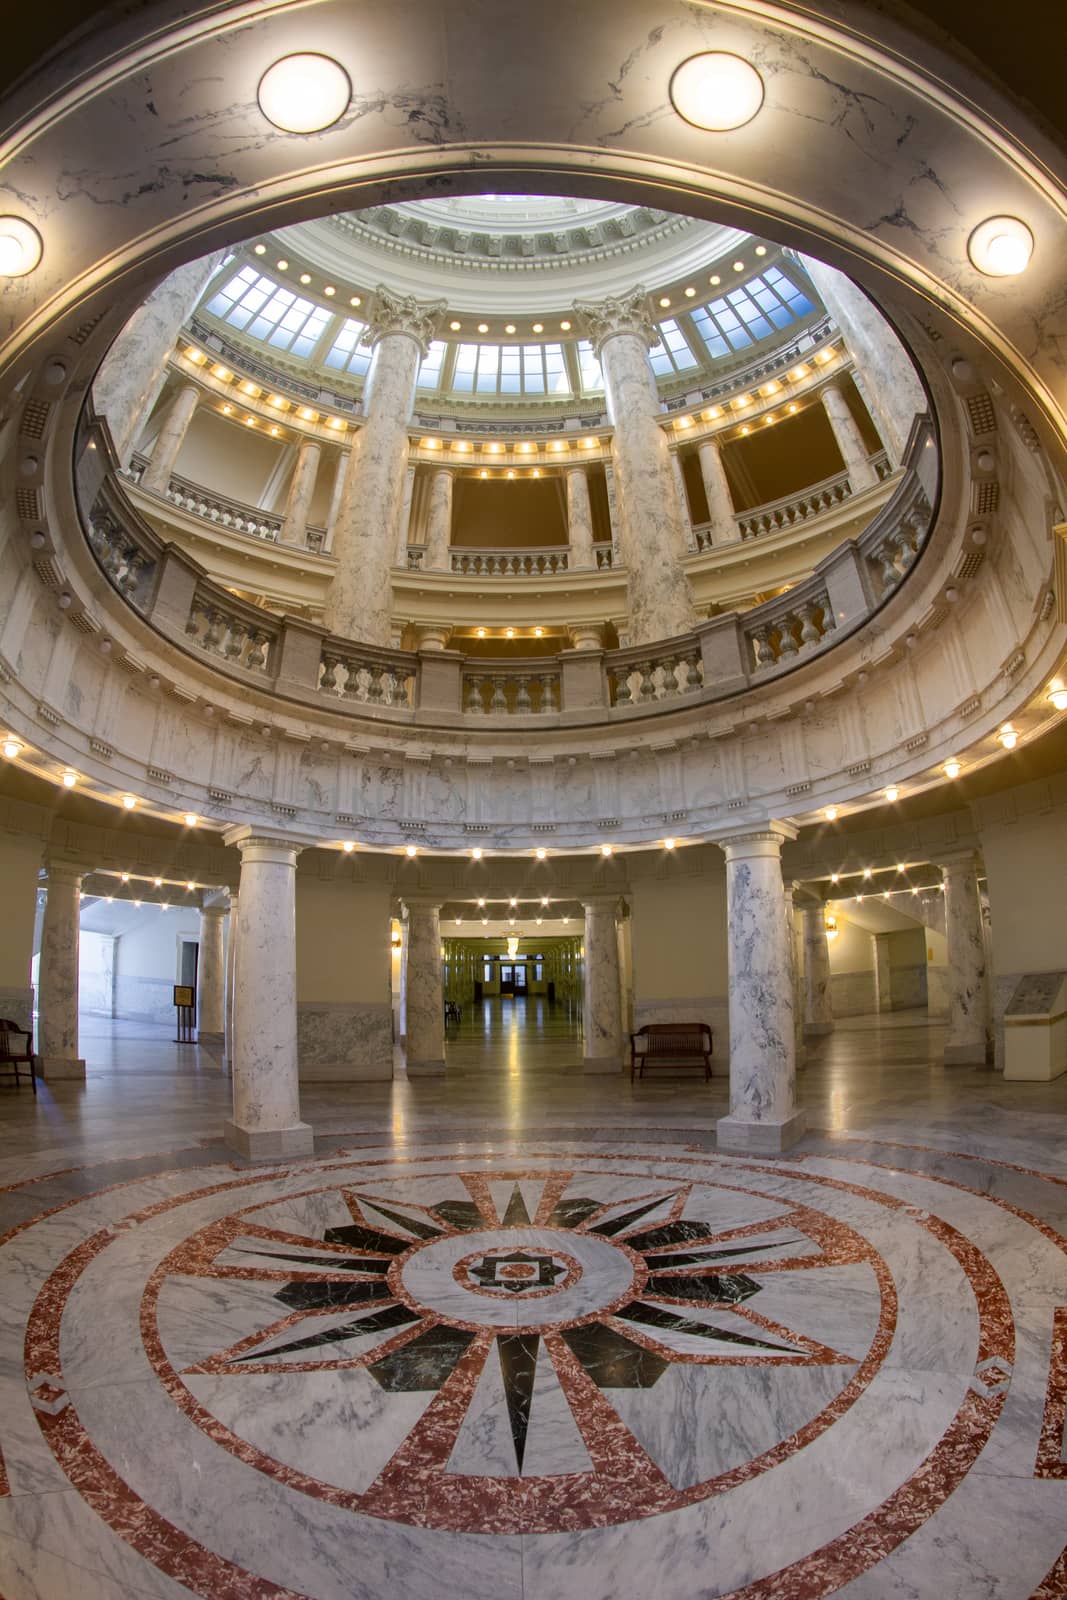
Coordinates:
[531,561]
[719,657]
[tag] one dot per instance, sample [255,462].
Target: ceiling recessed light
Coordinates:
[540,852]
[716,91]
[544,899]
[282,265]
[305,277]
[20,247]
[191,819]
[260,249]
[866,872]
[483,327]
[69,779]
[129,801]
[834,876]
[538,327]
[477,852]
[329,290]
[348,846]
[1001,247]
[952,768]
[830,813]
[1007,736]
[690,292]
[565,327]
[665,300]
[761,249]
[1058,697]
[539,633]
[513,901]
[715,279]
[605,850]
[892,793]
[668,844]
[158,882]
[480,633]
[509,327]
[304,93]
[509,633]
[739,266]
[355,300]
[412,850]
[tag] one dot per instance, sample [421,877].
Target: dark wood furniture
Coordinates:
[670,1044]
[13,1053]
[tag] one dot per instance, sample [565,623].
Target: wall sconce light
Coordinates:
[832,929]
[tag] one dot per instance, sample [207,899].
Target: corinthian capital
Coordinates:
[402,313]
[624,313]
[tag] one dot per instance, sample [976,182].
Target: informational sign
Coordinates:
[183,994]
[1035,994]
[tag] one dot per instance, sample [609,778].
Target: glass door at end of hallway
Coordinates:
[513,979]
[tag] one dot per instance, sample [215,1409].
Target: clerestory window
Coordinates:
[266,310]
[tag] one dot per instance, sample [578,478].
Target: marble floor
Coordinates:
[518,1332]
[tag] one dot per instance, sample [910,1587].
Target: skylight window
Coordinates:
[672,354]
[430,366]
[589,367]
[349,352]
[742,316]
[266,311]
[511,369]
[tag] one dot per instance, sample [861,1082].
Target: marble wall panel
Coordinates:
[16,1002]
[907,987]
[852,994]
[144,999]
[340,1043]
[938,991]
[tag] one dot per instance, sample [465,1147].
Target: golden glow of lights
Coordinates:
[274,432]
[605,850]
[412,850]
[834,876]
[510,472]
[304,93]
[282,265]
[250,422]
[539,633]
[739,266]
[665,300]
[69,779]
[1008,736]
[509,327]
[125,877]
[746,430]
[129,801]
[260,249]
[716,90]
[509,633]
[191,819]
[1001,247]
[21,247]
[761,249]
[1058,698]
[483,473]
[565,327]
[799,372]
[690,292]
[222,373]
[668,844]
[830,813]
[305,277]
[480,632]
[355,300]
[892,793]
[329,290]
[307,414]
[536,473]
[589,444]
[541,853]
[477,854]
[715,279]
[792,406]
[348,846]
[538,327]
[866,872]
[483,327]
[951,768]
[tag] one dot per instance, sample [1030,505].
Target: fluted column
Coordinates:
[721,513]
[57,1027]
[135,368]
[366,538]
[849,439]
[652,525]
[211,977]
[818,1008]
[579,519]
[301,490]
[763,1107]
[169,440]
[439,520]
[423,993]
[266,1121]
[967,973]
[601,1010]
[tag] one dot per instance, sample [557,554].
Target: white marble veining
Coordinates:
[266,1097]
[342,1042]
[211,974]
[968,995]
[849,440]
[58,981]
[818,1005]
[439,520]
[301,491]
[579,518]
[720,502]
[423,1002]
[601,1009]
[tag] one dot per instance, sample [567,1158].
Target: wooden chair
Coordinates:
[11,1054]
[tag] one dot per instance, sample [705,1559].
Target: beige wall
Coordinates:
[851,951]
[679,939]
[342,942]
[20,861]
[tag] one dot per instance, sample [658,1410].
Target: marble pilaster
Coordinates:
[423,993]
[368,531]
[652,524]
[439,520]
[231,970]
[301,490]
[818,1008]
[266,1121]
[169,440]
[57,1034]
[211,977]
[135,368]
[579,519]
[602,1008]
[967,973]
[883,972]
[721,513]
[763,1110]
[861,474]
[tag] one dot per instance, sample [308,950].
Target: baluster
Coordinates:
[809,628]
[906,550]
[762,648]
[548,682]
[887,570]
[216,630]
[648,688]
[499,702]
[623,694]
[374,688]
[694,673]
[257,655]
[328,673]
[787,640]
[235,642]
[193,626]
[523,703]
[475,706]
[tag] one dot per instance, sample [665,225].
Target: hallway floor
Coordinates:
[516,1332]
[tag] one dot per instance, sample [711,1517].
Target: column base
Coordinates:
[966,1055]
[817,1030]
[208,1036]
[270,1144]
[759,1138]
[426,1069]
[53,1068]
[347,1071]
[602,1064]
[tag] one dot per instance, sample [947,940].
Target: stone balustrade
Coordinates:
[229,632]
[368,676]
[718,657]
[792,509]
[642,677]
[522,689]
[211,507]
[528,563]
[605,556]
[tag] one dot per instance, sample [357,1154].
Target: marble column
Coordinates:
[231,969]
[763,1110]
[601,1011]
[652,524]
[818,1008]
[439,520]
[683,500]
[423,992]
[169,440]
[800,1049]
[359,600]
[721,513]
[57,1025]
[967,972]
[861,474]
[883,975]
[342,466]
[134,370]
[266,1123]
[579,519]
[211,977]
[301,490]
[403,527]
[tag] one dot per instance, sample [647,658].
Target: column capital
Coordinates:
[266,844]
[623,313]
[600,902]
[755,839]
[65,869]
[958,861]
[586,635]
[402,313]
[421,902]
[215,911]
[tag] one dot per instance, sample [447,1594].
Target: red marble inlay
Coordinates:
[1053,1442]
[515,1272]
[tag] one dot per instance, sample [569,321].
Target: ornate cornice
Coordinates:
[624,313]
[402,313]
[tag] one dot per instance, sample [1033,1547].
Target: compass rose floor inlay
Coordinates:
[606,1367]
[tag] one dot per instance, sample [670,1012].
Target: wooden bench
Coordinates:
[670,1044]
[12,1053]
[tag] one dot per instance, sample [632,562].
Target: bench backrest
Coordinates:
[680,1035]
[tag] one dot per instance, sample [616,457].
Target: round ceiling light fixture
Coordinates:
[1001,247]
[304,93]
[716,91]
[20,247]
